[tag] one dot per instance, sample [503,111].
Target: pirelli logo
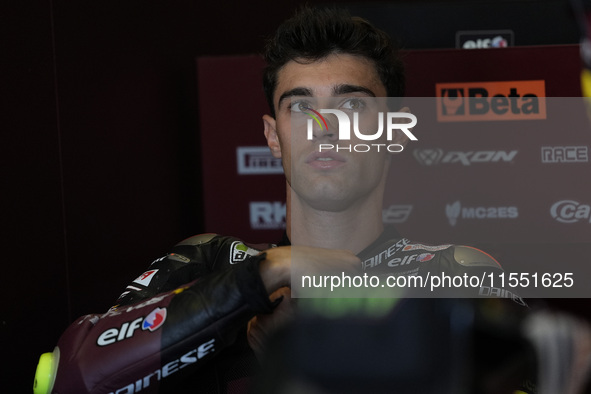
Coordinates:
[490,101]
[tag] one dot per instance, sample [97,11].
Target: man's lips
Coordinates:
[325,160]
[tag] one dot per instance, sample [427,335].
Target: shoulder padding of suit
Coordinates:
[472,257]
[197,239]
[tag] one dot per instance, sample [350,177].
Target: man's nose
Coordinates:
[325,135]
[328,131]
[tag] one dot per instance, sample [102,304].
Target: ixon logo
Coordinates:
[490,101]
[432,157]
[344,130]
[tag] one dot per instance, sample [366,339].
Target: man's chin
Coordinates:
[329,203]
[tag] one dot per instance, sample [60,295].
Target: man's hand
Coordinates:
[276,274]
[262,326]
[277,268]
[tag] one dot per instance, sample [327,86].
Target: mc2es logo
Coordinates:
[490,101]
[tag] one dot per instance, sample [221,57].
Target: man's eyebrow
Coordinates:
[343,89]
[337,90]
[295,92]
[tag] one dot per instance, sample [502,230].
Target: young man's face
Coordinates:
[327,180]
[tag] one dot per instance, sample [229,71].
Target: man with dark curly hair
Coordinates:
[196,320]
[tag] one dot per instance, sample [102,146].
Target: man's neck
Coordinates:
[352,229]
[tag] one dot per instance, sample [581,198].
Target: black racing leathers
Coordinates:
[169,323]
[180,326]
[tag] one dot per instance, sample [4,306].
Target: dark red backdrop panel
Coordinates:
[501,185]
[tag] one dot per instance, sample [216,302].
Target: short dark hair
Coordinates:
[314,33]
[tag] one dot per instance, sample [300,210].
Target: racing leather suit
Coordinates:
[181,325]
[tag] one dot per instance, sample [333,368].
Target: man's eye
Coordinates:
[300,106]
[354,104]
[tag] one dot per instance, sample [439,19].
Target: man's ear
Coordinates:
[270,125]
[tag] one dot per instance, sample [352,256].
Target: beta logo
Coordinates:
[151,323]
[491,101]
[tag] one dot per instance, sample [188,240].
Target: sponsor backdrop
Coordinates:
[502,159]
